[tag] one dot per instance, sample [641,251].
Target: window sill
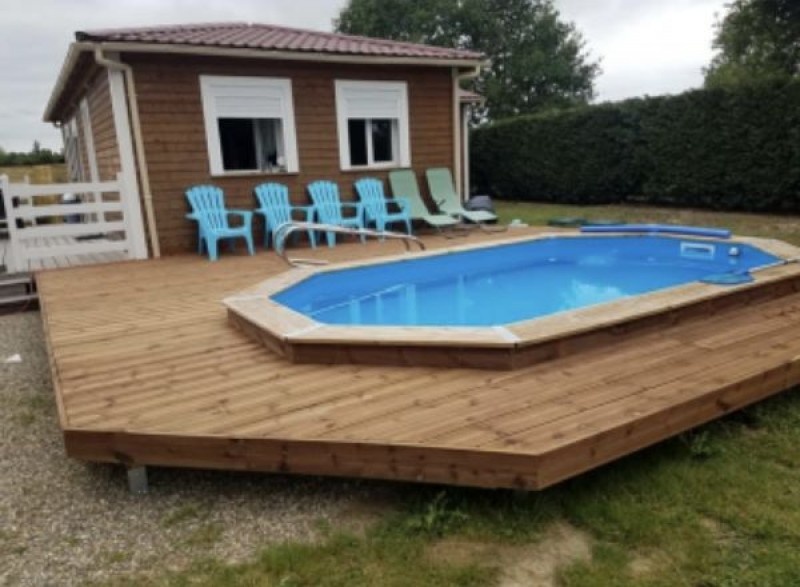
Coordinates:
[363,168]
[228,174]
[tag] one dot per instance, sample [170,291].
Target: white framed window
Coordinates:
[372,123]
[88,135]
[72,149]
[249,124]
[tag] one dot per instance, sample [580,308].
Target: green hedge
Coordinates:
[733,149]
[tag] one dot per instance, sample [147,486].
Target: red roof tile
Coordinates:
[242,35]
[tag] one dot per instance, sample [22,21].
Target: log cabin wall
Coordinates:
[173,128]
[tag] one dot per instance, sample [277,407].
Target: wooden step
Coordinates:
[13,279]
[17,288]
[18,299]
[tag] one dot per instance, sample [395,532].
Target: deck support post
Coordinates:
[137,480]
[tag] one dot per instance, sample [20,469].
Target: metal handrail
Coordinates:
[282,233]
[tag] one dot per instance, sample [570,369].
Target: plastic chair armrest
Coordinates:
[246,215]
[357,206]
[308,211]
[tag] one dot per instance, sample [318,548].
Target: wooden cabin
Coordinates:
[239,104]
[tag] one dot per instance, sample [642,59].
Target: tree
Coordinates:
[756,39]
[434,22]
[538,61]
[37,156]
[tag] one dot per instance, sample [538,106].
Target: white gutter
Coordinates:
[465,150]
[457,140]
[144,175]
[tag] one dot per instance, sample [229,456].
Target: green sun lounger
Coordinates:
[404,185]
[440,184]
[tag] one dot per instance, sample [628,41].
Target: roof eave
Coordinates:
[77,48]
[71,59]
[141,47]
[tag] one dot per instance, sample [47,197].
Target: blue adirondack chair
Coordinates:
[274,206]
[208,210]
[328,208]
[376,205]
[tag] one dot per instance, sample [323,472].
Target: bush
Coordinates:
[732,148]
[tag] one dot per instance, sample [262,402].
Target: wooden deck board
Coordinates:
[147,370]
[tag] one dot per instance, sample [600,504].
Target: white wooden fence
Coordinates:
[100,220]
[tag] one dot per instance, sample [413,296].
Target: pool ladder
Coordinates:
[283,232]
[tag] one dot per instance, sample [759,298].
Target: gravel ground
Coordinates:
[64,522]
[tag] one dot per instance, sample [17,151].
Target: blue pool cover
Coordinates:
[687,231]
[512,282]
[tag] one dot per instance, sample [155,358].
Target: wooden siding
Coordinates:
[147,371]
[172,123]
[105,137]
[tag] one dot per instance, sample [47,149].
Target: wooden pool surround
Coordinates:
[147,371]
[301,339]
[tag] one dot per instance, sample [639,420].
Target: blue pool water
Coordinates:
[508,283]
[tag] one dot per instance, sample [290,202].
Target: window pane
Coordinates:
[237,139]
[269,144]
[356,131]
[382,140]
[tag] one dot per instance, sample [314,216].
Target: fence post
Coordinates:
[14,260]
[132,215]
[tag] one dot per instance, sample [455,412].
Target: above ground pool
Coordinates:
[505,304]
[513,282]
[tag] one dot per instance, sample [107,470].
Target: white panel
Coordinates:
[248,104]
[32,212]
[76,248]
[34,190]
[372,103]
[58,230]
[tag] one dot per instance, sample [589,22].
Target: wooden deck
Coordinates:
[148,371]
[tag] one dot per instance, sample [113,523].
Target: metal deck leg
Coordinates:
[137,480]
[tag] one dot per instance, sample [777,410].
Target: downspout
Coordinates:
[457,147]
[138,143]
[465,149]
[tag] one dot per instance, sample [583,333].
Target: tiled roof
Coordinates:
[240,35]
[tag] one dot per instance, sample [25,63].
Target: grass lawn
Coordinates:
[785,227]
[719,506]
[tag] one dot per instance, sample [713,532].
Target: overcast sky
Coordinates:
[646,46]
